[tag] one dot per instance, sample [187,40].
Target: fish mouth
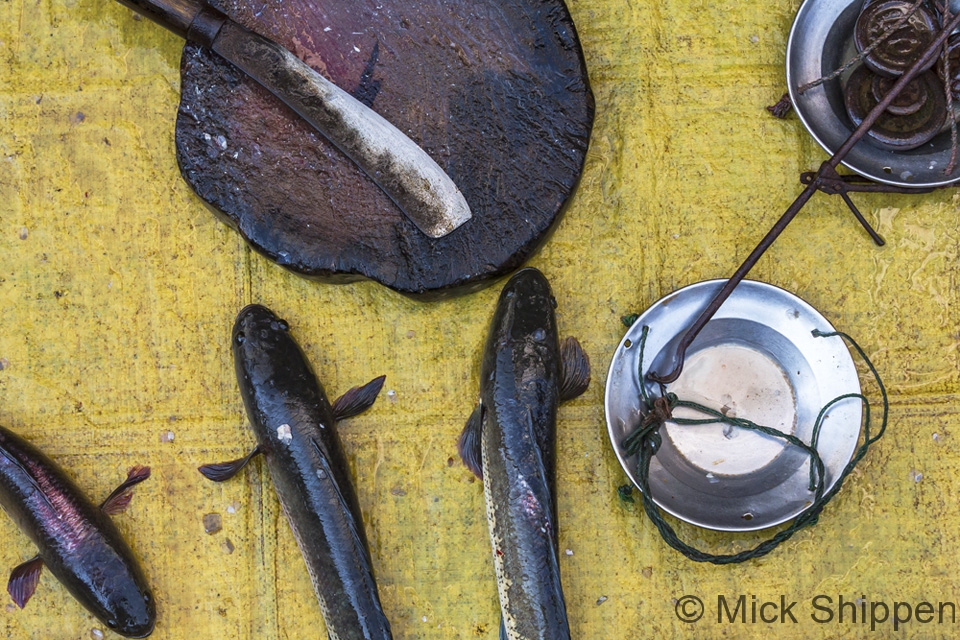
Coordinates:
[138,631]
[254,313]
[134,624]
[530,284]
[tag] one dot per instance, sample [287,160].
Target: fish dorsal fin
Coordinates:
[558,587]
[119,500]
[358,399]
[503,629]
[326,473]
[553,533]
[24,579]
[226,470]
[575,366]
[470,444]
[362,553]
[29,476]
[541,472]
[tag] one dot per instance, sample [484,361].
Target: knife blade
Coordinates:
[400,167]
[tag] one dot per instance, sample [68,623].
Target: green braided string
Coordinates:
[646,441]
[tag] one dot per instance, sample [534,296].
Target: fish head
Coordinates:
[529,303]
[257,327]
[260,341]
[274,376]
[135,615]
[121,599]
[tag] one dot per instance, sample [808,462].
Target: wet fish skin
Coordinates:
[77,540]
[524,376]
[295,426]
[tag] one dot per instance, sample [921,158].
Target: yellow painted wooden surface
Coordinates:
[118,289]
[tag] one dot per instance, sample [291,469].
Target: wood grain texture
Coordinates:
[118,290]
[496,93]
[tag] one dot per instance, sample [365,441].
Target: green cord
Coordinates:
[646,441]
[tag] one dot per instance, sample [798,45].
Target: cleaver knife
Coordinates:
[404,171]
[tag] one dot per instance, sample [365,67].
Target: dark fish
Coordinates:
[77,540]
[295,426]
[510,442]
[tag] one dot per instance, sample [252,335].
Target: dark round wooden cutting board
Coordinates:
[495,91]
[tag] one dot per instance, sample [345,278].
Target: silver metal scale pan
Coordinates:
[756,359]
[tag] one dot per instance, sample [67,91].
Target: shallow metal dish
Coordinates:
[821,41]
[757,358]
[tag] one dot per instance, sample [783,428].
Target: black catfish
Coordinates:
[295,427]
[510,442]
[76,539]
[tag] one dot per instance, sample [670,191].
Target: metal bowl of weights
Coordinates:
[910,145]
[755,359]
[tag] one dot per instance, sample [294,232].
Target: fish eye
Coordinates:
[112,623]
[146,598]
[240,337]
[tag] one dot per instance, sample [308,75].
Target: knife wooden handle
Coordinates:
[175,15]
[404,171]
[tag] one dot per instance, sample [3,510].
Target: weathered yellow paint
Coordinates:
[118,289]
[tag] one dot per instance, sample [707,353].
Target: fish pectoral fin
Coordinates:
[119,500]
[358,399]
[575,377]
[226,470]
[24,579]
[470,444]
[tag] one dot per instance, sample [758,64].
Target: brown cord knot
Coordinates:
[660,412]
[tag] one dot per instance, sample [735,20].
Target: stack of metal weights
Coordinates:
[919,112]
